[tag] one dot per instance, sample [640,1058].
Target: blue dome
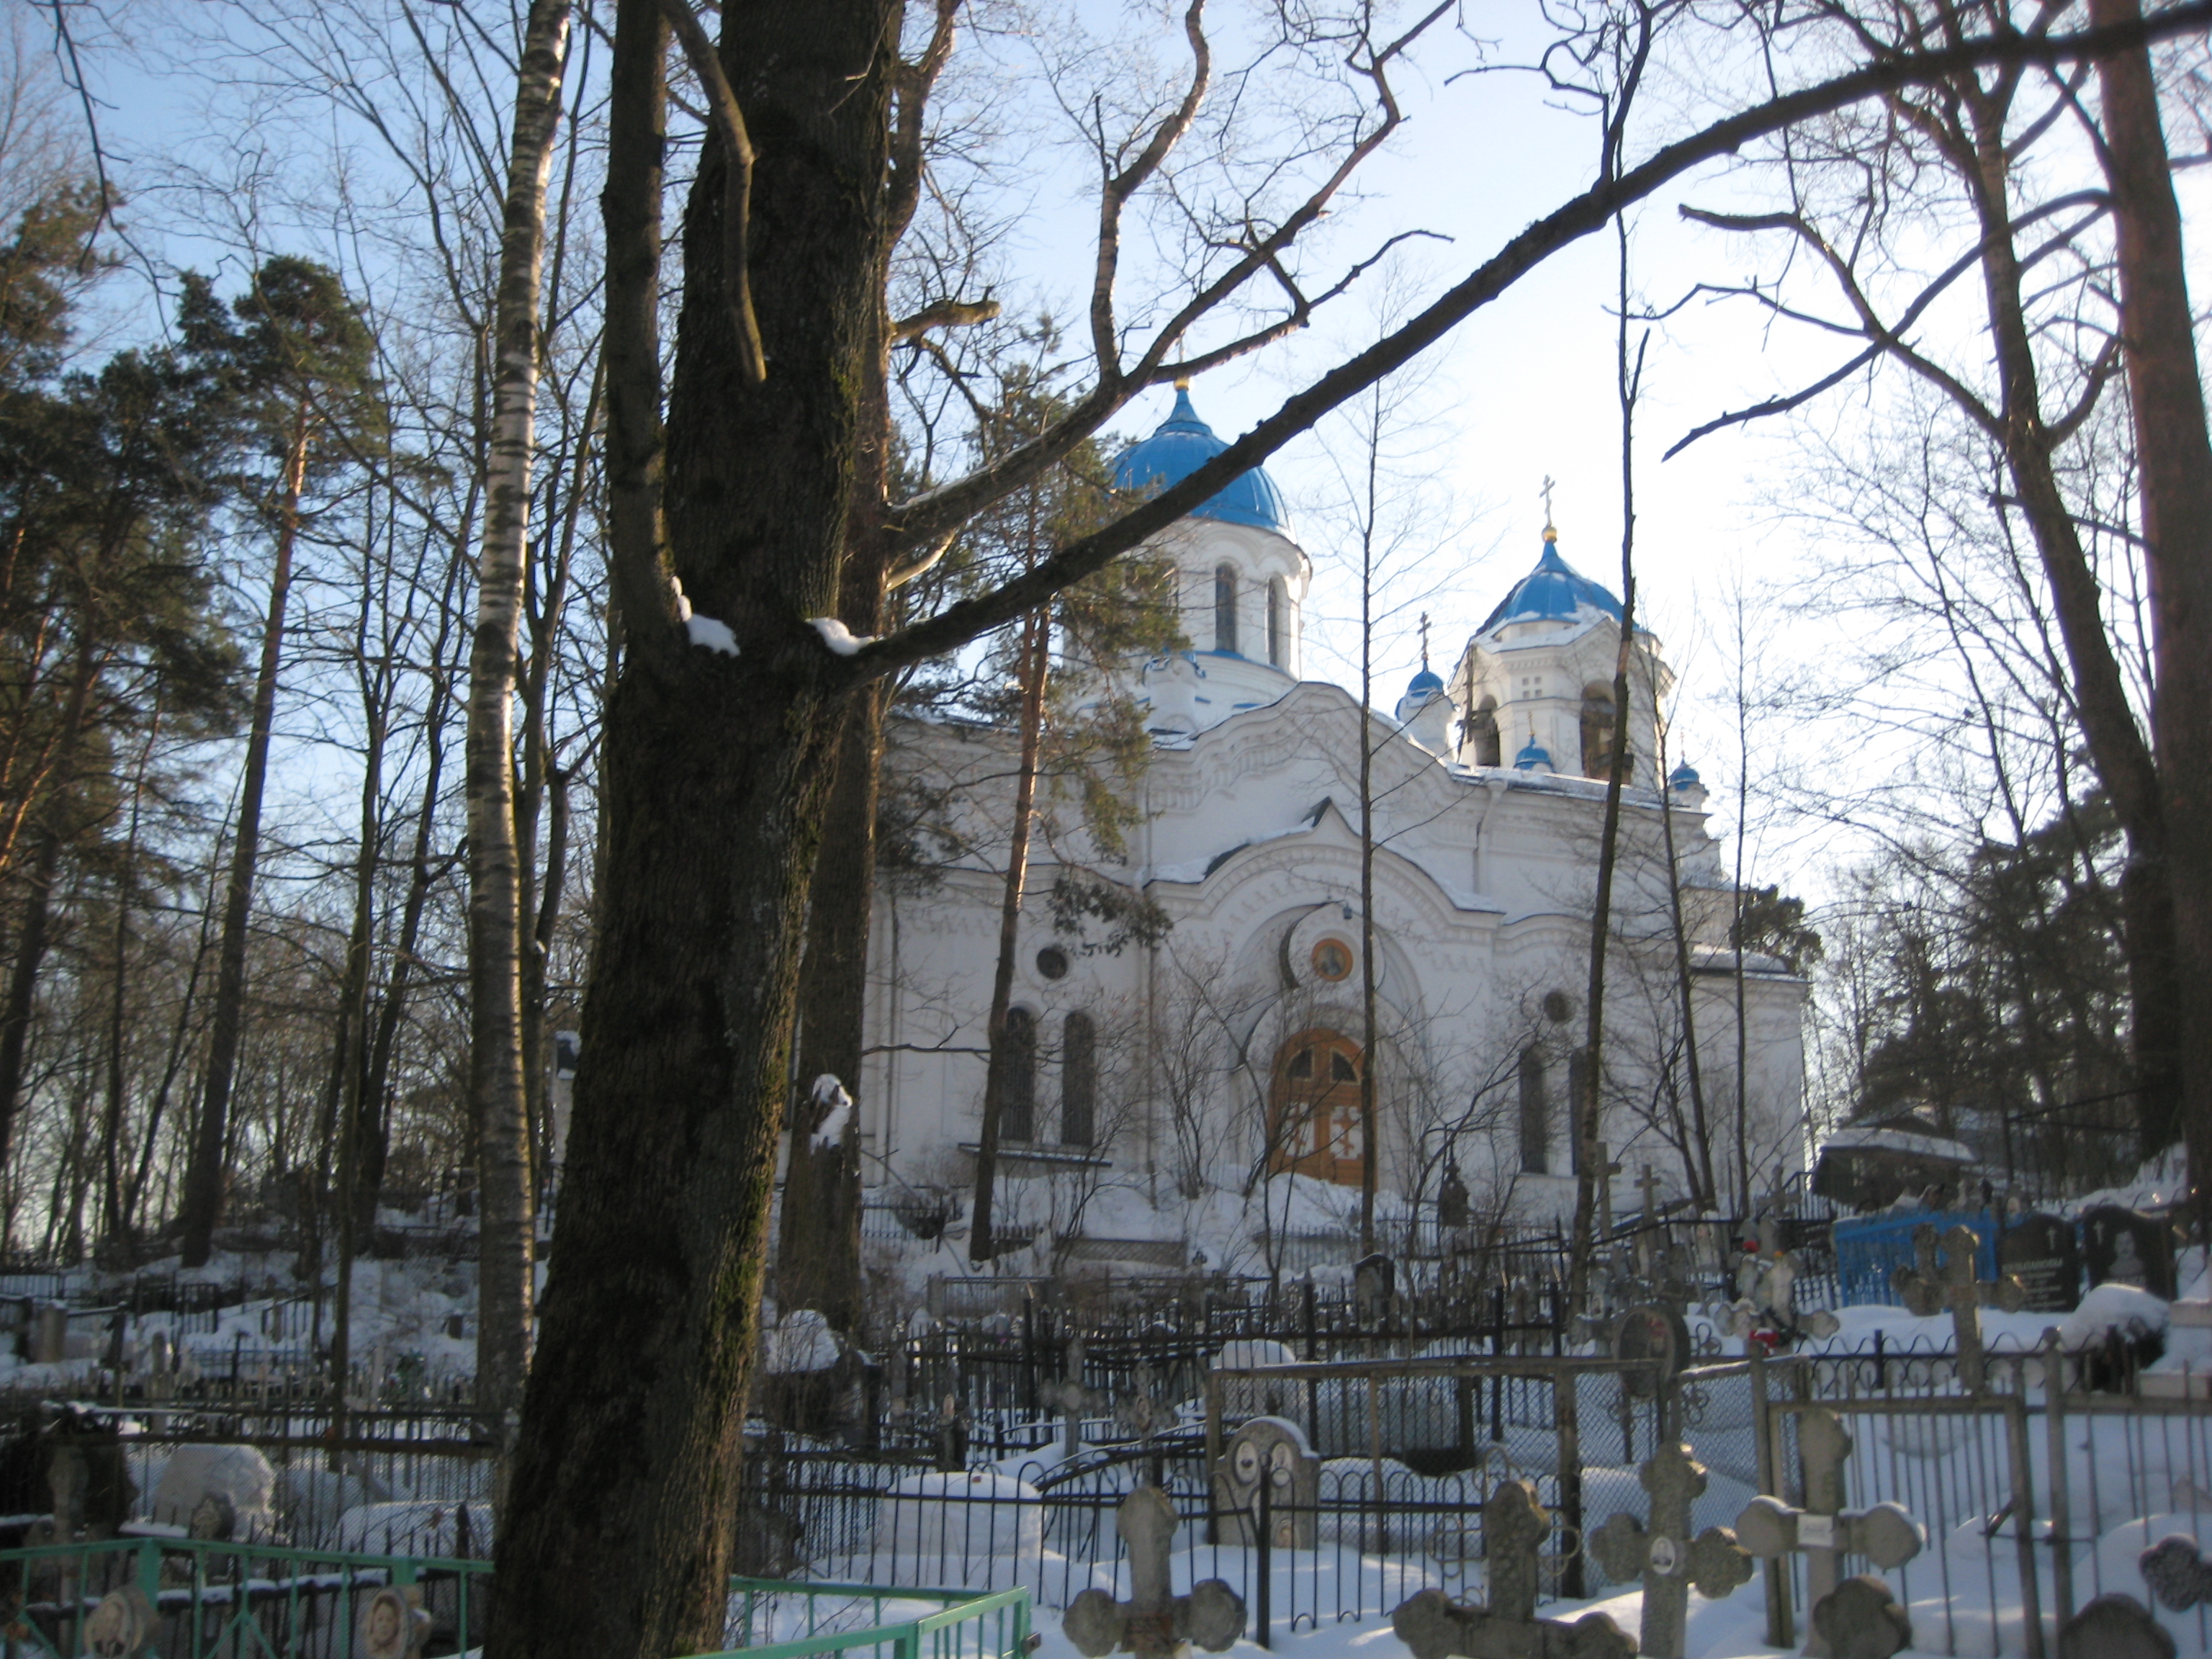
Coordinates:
[1183,444]
[1553,591]
[1684,776]
[1532,756]
[1424,682]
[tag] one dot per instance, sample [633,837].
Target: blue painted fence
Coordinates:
[1870,1248]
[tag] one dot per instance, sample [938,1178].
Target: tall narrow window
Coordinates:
[1224,607]
[1535,1115]
[1597,732]
[1018,1103]
[1079,1081]
[1482,728]
[1278,625]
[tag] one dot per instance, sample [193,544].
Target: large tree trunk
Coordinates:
[2175,458]
[818,1245]
[507,1237]
[715,771]
[204,1176]
[2123,758]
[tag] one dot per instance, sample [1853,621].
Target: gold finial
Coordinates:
[1425,641]
[1551,532]
[1182,383]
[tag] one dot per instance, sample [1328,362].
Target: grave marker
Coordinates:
[1823,1531]
[2126,1247]
[1929,1289]
[1270,1451]
[1514,1524]
[1664,1556]
[1861,1619]
[392,1624]
[121,1627]
[1653,1332]
[2041,1252]
[2114,1626]
[1374,1284]
[1154,1623]
[2176,1572]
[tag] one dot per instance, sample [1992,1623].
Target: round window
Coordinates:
[1051,962]
[1558,1007]
[1333,959]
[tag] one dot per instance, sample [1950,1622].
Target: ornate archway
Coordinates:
[1314,1127]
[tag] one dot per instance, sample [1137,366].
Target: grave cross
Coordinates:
[1663,1557]
[1074,1400]
[1154,1623]
[1647,1184]
[1927,1290]
[1823,1530]
[1513,1524]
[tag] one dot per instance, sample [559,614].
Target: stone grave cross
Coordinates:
[1927,1289]
[1154,1623]
[1823,1531]
[1514,1525]
[1664,1556]
[1074,1400]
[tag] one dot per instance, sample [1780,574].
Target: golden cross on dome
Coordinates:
[1551,532]
[1425,641]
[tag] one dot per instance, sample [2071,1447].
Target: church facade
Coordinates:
[1185,1073]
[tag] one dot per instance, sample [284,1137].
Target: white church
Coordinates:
[1192,1071]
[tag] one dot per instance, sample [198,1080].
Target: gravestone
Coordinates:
[393,1625]
[1665,1557]
[2176,1572]
[1929,1289]
[1374,1284]
[2114,1626]
[1861,1619]
[2126,1247]
[1655,1332]
[1823,1530]
[1270,1451]
[2041,1252]
[1514,1525]
[1154,1623]
[121,1627]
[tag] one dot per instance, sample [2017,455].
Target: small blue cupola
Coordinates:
[1183,444]
[1532,756]
[1684,778]
[1553,591]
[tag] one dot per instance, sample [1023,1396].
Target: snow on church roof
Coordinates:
[1184,443]
[1553,591]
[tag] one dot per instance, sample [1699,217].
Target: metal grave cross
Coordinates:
[1514,1524]
[1154,1623]
[1823,1531]
[1927,1290]
[1664,1556]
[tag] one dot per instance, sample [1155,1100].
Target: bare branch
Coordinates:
[737,188]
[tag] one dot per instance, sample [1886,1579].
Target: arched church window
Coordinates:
[1278,623]
[1079,1081]
[1224,607]
[1017,1077]
[1314,1124]
[1535,1115]
[1482,732]
[1598,731]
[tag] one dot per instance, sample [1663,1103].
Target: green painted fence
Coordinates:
[224,1601]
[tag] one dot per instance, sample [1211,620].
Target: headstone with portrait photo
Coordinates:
[2126,1247]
